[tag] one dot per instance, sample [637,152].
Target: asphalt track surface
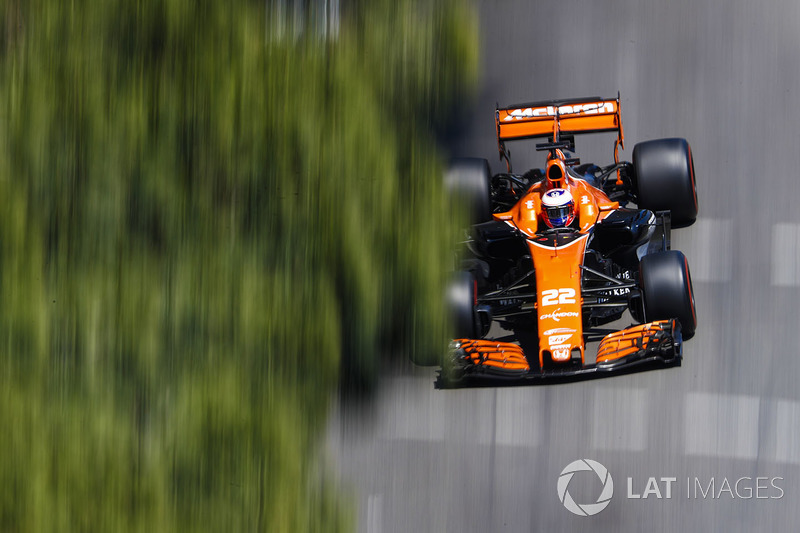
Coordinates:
[726,76]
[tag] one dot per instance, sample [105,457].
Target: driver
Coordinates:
[558,208]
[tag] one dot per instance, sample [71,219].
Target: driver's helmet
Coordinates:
[558,208]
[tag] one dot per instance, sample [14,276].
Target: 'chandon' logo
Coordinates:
[557,315]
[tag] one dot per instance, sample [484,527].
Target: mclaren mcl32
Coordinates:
[555,256]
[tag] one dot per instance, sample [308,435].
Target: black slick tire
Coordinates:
[667,289]
[665,180]
[461,301]
[467,182]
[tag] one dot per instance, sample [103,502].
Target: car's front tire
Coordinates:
[667,289]
[462,298]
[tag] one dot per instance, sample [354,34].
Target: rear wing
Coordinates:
[556,118]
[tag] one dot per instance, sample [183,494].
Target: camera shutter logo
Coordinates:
[586,509]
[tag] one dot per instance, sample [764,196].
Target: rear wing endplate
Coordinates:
[558,117]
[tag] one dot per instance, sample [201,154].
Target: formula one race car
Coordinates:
[553,254]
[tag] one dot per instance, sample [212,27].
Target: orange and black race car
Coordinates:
[556,255]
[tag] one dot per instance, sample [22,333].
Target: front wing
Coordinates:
[648,346]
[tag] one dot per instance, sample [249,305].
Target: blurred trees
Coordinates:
[198,221]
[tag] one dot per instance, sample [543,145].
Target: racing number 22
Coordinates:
[558,296]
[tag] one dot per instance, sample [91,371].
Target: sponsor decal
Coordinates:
[626,275]
[556,198]
[584,200]
[552,340]
[558,296]
[556,247]
[551,111]
[529,204]
[561,347]
[557,315]
[560,354]
[559,330]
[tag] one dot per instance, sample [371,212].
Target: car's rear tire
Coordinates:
[667,289]
[665,181]
[467,182]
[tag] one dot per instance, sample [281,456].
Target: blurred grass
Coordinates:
[204,230]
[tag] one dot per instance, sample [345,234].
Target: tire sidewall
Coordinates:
[461,297]
[665,178]
[667,290]
[467,181]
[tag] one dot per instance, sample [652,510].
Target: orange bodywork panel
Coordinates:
[504,356]
[553,119]
[634,340]
[584,116]
[557,268]
[592,204]
[558,300]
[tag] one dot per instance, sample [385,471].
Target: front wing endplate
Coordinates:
[662,337]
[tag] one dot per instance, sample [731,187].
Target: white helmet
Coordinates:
[559,208]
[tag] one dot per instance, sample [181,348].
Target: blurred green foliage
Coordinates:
[204,228]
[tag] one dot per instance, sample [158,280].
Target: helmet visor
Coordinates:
[559,216]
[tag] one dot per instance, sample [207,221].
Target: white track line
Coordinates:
[624,427]
[787,429]
[374,513]
[412,410]
[709,248]
[721,425]
[519,420]
[786,255]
